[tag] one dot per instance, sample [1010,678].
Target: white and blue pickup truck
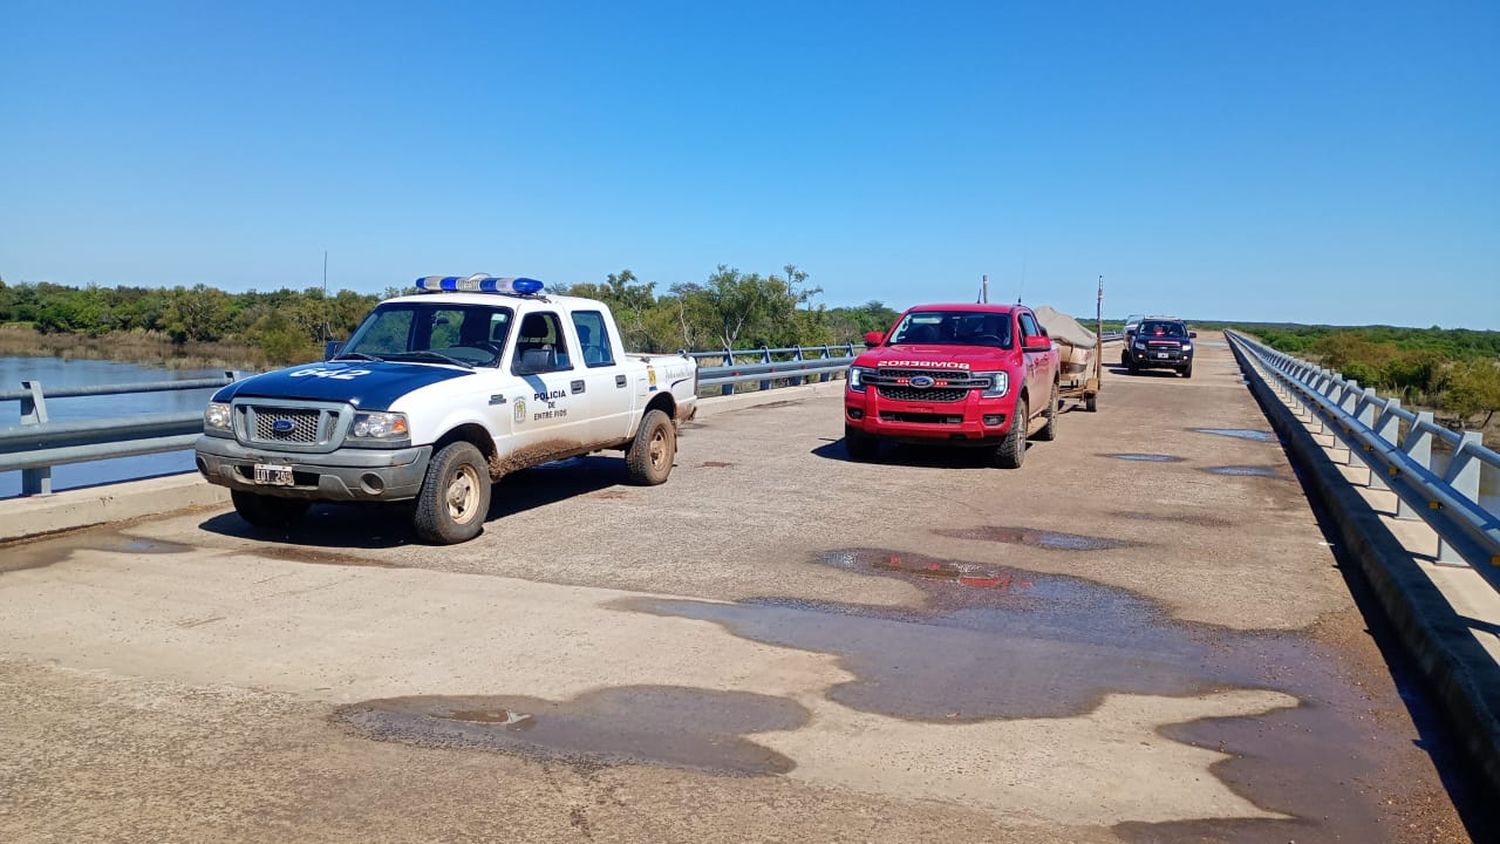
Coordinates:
[438,395]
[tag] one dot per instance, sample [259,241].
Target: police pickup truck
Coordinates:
[438,395]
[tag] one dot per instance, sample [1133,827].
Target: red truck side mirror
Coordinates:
[1037,343]
[873,338]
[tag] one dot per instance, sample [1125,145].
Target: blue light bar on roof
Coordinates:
[479,283]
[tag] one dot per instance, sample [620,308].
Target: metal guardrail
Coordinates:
[36,445]
[797,365]
[1396,445]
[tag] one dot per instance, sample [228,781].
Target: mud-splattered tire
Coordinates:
[649,459]
[455,496]
[860,445]
[266,511]
[1011,451]
[1049,433]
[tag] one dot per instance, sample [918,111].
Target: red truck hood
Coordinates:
[947,358]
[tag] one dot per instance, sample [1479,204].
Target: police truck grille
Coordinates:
[271,425]
[930,394]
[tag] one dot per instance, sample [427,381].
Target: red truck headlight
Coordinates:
[999,384]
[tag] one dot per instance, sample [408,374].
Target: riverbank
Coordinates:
[142,347]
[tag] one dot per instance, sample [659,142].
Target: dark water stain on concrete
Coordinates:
[1194,519]
[1245,471]
[661,725]
[998,642]
[302,554]
[18,556]
[1252,434]
[714,464]
[772,405]
[1050,539]
[1145,458]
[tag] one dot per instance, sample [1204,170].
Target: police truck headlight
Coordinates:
[999,384]
[1140,345]
[1187,347]
[217,419]
[383,427]
[857,378]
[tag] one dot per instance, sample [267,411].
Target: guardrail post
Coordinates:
[765,357]
[827,376]
[1388,428]
[1364,413]
[1463,477]
[727,389]
[797,380]
[36,481]
[1417,446]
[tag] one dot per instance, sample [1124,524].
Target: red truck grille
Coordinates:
[928,394]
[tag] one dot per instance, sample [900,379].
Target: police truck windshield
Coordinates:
[437,332]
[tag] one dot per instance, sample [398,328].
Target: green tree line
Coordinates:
[1454,370]
[729,308]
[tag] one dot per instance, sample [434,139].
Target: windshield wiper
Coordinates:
[431,355]
[356,356]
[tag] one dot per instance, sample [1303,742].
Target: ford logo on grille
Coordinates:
[283,426]
[922,381]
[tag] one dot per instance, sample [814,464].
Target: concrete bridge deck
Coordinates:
[1143,635]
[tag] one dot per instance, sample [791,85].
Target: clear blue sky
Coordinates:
[1334,162]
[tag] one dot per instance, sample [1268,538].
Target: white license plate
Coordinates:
[273,475]
[1162,355]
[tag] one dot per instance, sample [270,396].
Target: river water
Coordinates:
[56,372]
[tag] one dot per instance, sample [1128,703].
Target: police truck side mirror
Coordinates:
[1192,334]
[873,338]
[332,348]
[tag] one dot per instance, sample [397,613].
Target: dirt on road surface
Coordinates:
[1133,638]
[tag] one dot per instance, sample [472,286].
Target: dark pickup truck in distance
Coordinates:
[1160,344]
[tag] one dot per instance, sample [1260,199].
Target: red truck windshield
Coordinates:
[953,328]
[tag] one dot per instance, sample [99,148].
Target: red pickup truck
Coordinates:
[967,375]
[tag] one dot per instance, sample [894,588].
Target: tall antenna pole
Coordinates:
[984,289]
[1099,331]
[324,328]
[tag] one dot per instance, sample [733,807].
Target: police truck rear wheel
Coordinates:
[650,457]
[1012,450]
[265,511]
[1049,433]
[455,495]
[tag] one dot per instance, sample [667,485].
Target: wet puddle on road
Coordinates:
[45,552]
[1252,434]
[1145,458]
[1194,519]
[1051,539]
[661,725]
[997,642]
[1246,471]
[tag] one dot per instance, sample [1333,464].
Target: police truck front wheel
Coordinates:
[455,495]
[265,511]
[649,459]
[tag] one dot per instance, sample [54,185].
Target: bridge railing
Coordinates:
[793,364]
[1436,473]
[38,444]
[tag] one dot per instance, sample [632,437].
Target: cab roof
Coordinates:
[975,307]
[504,300]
